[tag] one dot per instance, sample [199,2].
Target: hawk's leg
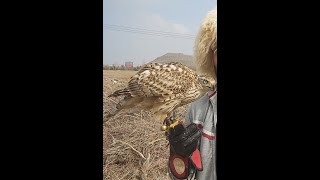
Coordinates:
[170,122]
[173,116]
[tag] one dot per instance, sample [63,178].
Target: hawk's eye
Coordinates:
[205,81]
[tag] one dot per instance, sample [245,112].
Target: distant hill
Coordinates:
[176,57]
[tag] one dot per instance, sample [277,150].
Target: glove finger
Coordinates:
[176,131]
[193,138]
[191,129]
[186,135]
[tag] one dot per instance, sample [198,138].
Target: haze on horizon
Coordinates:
[142,30]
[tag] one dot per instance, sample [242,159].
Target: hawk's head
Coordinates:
[207,82]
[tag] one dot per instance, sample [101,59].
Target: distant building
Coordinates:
[129,65]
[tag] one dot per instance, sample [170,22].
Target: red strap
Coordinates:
[196,159]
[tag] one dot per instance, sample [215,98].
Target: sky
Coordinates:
[137,30]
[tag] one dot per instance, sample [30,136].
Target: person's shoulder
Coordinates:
[200,103]
[203,100]
[198,109]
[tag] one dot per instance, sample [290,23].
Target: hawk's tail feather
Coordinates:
[119,106]
[120,92]
[113,113]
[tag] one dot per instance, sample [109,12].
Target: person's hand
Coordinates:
[183,140]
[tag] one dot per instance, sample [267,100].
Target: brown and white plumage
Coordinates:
[162,88]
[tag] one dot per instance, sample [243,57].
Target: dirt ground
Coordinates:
[133,145]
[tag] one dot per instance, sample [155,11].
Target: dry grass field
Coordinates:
[133,145]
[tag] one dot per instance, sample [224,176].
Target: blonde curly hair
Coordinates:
[206,45]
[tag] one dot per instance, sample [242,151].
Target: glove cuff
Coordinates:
[180,165]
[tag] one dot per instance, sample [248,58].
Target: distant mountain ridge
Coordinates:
[176,57]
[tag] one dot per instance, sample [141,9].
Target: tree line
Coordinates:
[122,67]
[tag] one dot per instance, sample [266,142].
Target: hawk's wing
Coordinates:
[158,79]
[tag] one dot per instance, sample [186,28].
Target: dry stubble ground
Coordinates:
[133,145]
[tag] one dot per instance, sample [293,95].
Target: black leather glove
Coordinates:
[184,141]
